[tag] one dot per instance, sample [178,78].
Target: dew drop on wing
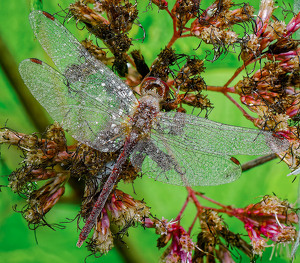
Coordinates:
[178,125]
[104,142]
[217,138]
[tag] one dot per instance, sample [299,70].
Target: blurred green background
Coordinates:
[18,243]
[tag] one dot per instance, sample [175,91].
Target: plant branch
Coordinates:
[258,161]
[240,108]
[220,89]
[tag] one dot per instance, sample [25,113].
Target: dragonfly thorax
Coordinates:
[145,114]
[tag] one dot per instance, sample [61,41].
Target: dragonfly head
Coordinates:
[155,87]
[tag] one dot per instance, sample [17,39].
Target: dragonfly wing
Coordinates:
[189,150]
[177,164]
[89,121]
[77,65]
[212,137]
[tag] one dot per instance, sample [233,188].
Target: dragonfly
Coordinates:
[98,109]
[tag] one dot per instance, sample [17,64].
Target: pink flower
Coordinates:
[265,12]
[270,218]
[181,247]
[102,239]
[293,25]
[125,209]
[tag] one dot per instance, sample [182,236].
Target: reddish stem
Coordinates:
[193,223]
[173,39]
[187,35]
[240,69]
[194,198]
[236,73]
[211,200]
[182,209]
[169,12]
[176,35]
[247,116]
[220,89]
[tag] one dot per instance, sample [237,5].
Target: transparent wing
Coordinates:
[178,164]
[90,121]
[212,137]
[78,66]
[189,150]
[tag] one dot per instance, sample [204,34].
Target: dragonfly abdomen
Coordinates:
[108,187]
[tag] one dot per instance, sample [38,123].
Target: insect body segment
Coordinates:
[106,191]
